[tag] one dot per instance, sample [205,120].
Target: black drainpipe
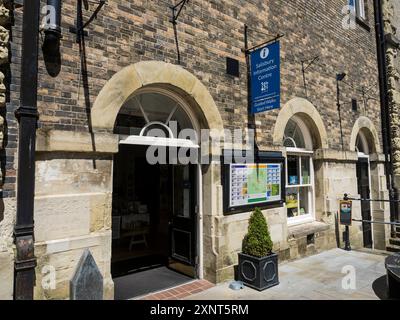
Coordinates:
[383,88]
[27,115]
[53,31]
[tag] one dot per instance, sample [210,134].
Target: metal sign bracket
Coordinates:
[176,11]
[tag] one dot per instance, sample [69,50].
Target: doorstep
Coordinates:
[179,292]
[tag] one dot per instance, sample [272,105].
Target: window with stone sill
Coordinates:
[299,172]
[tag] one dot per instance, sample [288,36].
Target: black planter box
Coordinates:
[259,273]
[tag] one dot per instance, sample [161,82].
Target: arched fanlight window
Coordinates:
[153,113]
[300,195]
[297,135]
[362,143]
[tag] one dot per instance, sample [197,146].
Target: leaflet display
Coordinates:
[254,184]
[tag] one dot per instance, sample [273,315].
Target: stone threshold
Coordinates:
[179,292]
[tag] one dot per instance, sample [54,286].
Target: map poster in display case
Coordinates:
[253,185]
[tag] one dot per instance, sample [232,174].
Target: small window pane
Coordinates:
[304,201]
[292,202]
[305,170]
[293,170]
[293,135]
[156,106]
[289,143]
[182,188]
[360,8]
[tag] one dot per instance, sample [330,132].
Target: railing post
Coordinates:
[347,245]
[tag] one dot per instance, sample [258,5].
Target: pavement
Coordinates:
[332,275]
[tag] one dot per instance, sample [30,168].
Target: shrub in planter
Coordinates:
[258,265]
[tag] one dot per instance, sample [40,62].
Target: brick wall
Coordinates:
[209,30]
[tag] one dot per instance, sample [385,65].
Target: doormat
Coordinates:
[125,267]
[142,283]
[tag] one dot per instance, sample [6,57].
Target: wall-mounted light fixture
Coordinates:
[340,76]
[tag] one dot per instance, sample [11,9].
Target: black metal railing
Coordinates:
[393,224]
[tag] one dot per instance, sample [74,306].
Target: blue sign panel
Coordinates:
[265,78]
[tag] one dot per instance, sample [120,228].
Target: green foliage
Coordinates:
[258,241]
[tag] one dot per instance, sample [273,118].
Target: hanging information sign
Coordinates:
[265,78]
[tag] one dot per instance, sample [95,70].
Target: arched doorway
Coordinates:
[364,185]
[168,85]
[155,203]
[365,141]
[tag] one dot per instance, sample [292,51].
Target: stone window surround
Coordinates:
[364,123]
[300,152]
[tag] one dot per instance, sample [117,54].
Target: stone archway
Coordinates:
[307,111]
[369,163]
[154,74]
[125,82]
[366,125]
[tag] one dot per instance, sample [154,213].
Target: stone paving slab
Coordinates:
[318,277]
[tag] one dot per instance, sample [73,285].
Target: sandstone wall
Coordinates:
[72,209]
